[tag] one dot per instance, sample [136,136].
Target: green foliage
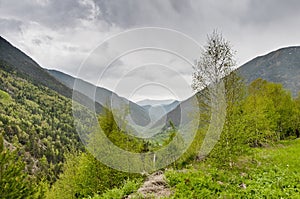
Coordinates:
[14,182]
[119,193]
[4,97]
[118,136]
[217,62]
[84,176]
[261,117]
[231,142]
[39,122]
[265,115]
[276,105]
[267,174]
[295,116]
[175,144]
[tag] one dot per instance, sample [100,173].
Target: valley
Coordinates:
[256,154]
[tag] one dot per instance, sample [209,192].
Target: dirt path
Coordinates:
[154,187]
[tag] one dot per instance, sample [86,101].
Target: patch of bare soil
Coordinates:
[155,186]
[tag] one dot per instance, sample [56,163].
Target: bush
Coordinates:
[119,193]
[84,176]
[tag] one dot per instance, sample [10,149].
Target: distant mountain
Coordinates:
[151,102]
[103,96]
[280,66]
[158,108]
[171,106]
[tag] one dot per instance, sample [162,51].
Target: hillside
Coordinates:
[266,173]
[38,122]
[104,97]
[280,66]
[37,125]
[15,60]
[36,115]
[37,128]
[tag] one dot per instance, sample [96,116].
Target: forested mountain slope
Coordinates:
[38,122]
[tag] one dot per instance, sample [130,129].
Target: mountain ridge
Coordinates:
[13,60]
[18,61]
[153,102]
[103,96]
[279,66]
[257,68]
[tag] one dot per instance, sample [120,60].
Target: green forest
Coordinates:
[257,155]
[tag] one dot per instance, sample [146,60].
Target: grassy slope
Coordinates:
[267,173]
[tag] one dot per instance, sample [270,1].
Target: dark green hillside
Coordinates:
[38,123]
[15,60]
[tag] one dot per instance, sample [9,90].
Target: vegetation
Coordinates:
[12,60]
[268,173]
[38,123]
[84,176]
[120,193]
[256,156]
[259,115]
[13,182]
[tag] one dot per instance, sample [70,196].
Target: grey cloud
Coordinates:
[267,11]
[46,39]
[61,33]
[71,48]
[55,14]
[180,7]
[134,13]
[36,42]
[10,25]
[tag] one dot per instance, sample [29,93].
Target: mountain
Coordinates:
[152,102]
[171,106]
[103,96]
[15,60]
[38,122]
[280,66]
[158,108]
[36,113]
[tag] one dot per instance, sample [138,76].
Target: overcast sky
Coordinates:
[61,34]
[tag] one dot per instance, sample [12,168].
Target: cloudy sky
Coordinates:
[66,35]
